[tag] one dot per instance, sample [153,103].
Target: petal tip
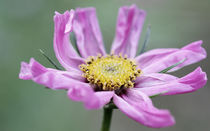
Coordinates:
[197,48]
[196,79]
[25,73]
[57,13]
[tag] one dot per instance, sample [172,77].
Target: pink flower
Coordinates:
[101,79]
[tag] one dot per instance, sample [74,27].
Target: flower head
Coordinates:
[97,78]
[111,72]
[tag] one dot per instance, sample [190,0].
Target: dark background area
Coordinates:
[27,25]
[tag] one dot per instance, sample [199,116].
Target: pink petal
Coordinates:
[64,50]
[50,78]
[129,26]
[104,97]
[139,107]
[84,94]
[91,99]
[159,59]
[165,84]
[148,58]
[88,34]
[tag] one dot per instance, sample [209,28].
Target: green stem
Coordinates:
[106,119]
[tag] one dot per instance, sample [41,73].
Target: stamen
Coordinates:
[111,72]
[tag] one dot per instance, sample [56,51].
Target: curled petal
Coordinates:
[196,79]
[91,99]
[159,59]
[129,26]
[85,94]
[64,50]
[50,78]
[165,84]
[139,107]
[87,31]
[104,97]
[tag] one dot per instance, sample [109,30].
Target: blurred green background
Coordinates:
[27,25]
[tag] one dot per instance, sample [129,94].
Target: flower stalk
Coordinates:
[107,117]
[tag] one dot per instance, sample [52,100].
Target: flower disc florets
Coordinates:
[110,72]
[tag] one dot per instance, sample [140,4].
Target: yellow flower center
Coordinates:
[111,72]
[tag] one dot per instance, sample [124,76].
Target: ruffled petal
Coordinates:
[91,99]
[50,78]
[165,84]
[129,26]
[64,50]
[159,59]
[88,34]
[139,107]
